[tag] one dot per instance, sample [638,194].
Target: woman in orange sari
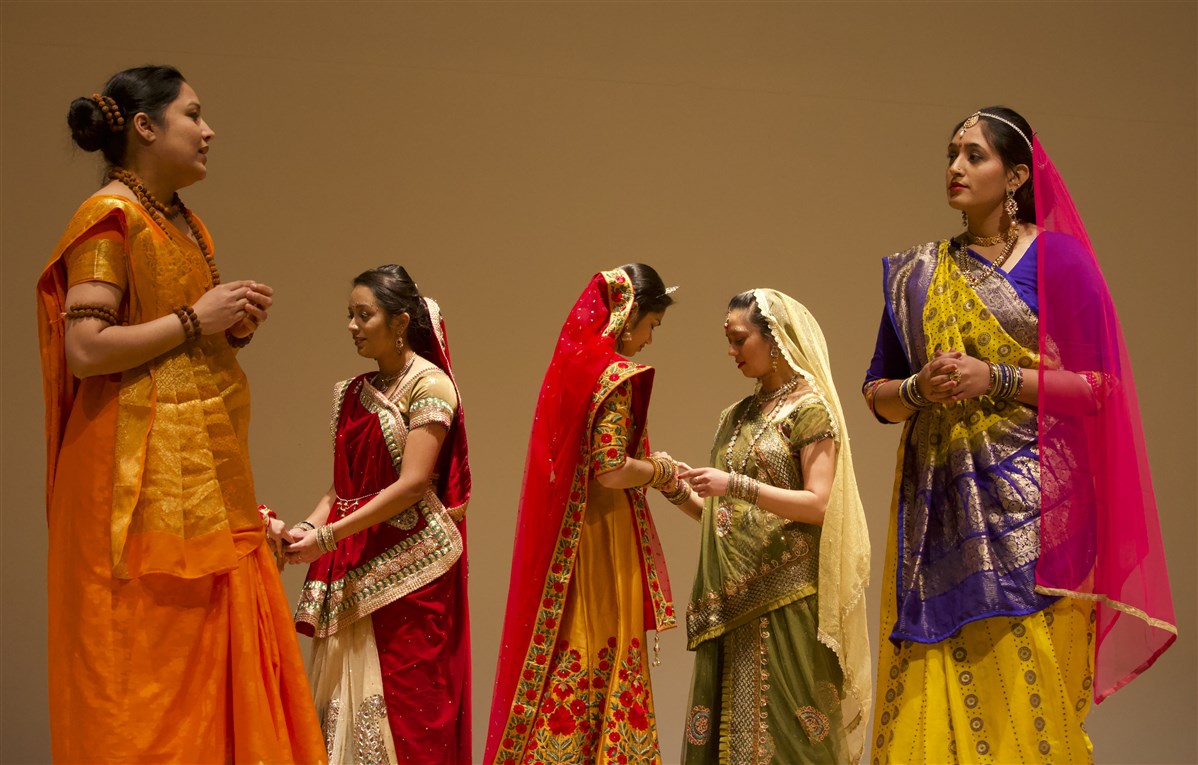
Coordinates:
[169,635]
[588,577]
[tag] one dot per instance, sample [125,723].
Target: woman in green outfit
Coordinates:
[776,617]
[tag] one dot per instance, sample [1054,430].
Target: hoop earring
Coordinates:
[1011,207]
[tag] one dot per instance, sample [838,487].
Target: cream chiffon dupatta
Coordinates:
[844,539]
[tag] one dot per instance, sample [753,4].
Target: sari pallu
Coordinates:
[388,607]
[584,373]
[163,599]
[968,504]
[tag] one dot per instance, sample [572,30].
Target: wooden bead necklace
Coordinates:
[161,213]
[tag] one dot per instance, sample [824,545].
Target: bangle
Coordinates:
[910,396]
[744,488]
[325,539]
[1006,382]
[306,526]
[266,513]
[189,320]
[664,471]
[679,495]
[238,342]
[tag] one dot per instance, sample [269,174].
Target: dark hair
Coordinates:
[648,290]
[747,301]
[148,89]
[397,293]
[1014,150]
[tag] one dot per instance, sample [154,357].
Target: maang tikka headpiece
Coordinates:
[972,120]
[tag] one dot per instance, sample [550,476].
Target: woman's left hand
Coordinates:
[707,481]
[305,550]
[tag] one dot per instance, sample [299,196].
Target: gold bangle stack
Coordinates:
[305,526]
[325,539]
[664,471]
[744,488]
[679,495]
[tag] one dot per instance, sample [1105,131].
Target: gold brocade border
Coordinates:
[619,301]
[403,568]
[1105,600]
[531,687]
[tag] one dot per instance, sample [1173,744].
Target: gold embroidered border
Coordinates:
[403,568]
[531,686]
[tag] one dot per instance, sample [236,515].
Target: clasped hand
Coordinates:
[953,376]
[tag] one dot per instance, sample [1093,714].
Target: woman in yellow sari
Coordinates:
[169,633]
[1025,572]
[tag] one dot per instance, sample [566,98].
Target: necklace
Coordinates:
[781,390]
[160,213]
[973,278]
[985,241]
[383,383]
[758,400]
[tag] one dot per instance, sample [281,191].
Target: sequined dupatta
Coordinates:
[968,507]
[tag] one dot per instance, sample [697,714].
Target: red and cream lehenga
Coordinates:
[388,607]
[588,576]
[169,631]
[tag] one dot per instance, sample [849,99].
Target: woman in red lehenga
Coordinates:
[588,576]
[385,596]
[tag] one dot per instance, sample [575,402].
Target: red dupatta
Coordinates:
[1100,536]
[553,499]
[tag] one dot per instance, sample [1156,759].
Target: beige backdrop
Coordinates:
[505,152]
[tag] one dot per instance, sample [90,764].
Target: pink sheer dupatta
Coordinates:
[1100,534]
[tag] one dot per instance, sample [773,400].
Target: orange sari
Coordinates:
[169,632]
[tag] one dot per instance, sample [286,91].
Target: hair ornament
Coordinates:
[972,120]
[112,112]
[671,290]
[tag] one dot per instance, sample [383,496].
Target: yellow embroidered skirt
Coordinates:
[598,705]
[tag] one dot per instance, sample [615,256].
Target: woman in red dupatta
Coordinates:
[588,577]
[385,597]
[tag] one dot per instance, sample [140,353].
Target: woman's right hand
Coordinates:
[225,305]
[939,378]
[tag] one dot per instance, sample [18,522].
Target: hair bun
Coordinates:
[89,130]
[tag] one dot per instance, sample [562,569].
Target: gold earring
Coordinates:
[1011,207]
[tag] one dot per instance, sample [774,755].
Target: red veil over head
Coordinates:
[1100,537]
[453,463]
[557,460]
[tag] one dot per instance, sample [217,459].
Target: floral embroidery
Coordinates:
[592,705]
[609,436]
[814,722]
[619,301]
[698,726]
